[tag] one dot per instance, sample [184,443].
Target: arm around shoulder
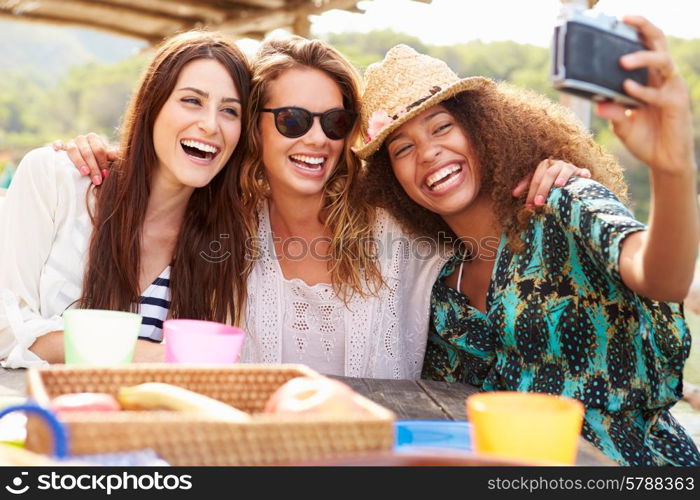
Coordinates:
[660,263]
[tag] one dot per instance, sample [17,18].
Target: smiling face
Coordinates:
[300,166]
[199,125]
[432,160]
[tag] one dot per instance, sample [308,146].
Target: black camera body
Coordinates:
[586,56]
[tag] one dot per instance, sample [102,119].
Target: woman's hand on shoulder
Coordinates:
[549,173]
[90,154]
[660,132]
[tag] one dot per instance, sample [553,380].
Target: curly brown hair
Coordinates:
[511,130]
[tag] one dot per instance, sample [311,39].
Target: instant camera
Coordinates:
[586,53]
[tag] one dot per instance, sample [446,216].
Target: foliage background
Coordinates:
[58,83]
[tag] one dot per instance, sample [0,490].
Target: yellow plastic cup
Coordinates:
[528,427]
[99,338]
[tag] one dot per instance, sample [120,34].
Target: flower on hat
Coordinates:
[379,120]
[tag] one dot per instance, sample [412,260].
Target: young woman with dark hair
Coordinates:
[140,242]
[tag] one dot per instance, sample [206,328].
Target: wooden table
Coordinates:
[416,399]
[429,400]
[408,399]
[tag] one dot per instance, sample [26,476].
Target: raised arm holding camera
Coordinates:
[662,259]
[580,298]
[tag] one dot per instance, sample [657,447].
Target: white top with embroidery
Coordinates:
[384,336]
[45,230]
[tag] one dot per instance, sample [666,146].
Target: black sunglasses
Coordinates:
[294,122]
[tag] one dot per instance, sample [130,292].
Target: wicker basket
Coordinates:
[194,440]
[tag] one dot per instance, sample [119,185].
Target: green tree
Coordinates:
[36,107]
[362,49]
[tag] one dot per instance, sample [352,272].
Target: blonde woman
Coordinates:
[320,292]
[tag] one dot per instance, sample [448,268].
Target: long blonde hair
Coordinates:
[344,212]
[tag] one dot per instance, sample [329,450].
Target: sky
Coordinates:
[446,22]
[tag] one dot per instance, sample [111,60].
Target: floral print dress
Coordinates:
[560,320]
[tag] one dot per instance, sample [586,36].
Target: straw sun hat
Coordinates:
[402,86]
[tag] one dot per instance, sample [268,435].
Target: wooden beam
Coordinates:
[150,37]
[255,35]
[242,4]
[189,12]
[162,9]
[209,9]
[263,4]
[266,21]
[98,12]
[178,9]
[153,20]
[302,26]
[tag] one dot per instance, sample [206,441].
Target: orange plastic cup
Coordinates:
[528,427]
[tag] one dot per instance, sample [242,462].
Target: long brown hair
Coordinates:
[511,130]
[202,285]
[344,211]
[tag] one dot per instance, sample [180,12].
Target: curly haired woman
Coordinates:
[577,298]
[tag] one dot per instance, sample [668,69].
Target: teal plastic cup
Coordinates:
[100,338]
[201,342]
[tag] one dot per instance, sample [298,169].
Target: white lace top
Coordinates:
[384,336]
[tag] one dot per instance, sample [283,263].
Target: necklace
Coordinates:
[459,277]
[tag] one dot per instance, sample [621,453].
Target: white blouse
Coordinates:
[384,336]
[45,231]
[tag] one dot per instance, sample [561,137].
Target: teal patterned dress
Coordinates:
[559,320]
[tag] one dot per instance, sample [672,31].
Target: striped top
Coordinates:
[154,307]
[41,274]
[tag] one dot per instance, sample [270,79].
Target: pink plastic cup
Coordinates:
[194,341]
